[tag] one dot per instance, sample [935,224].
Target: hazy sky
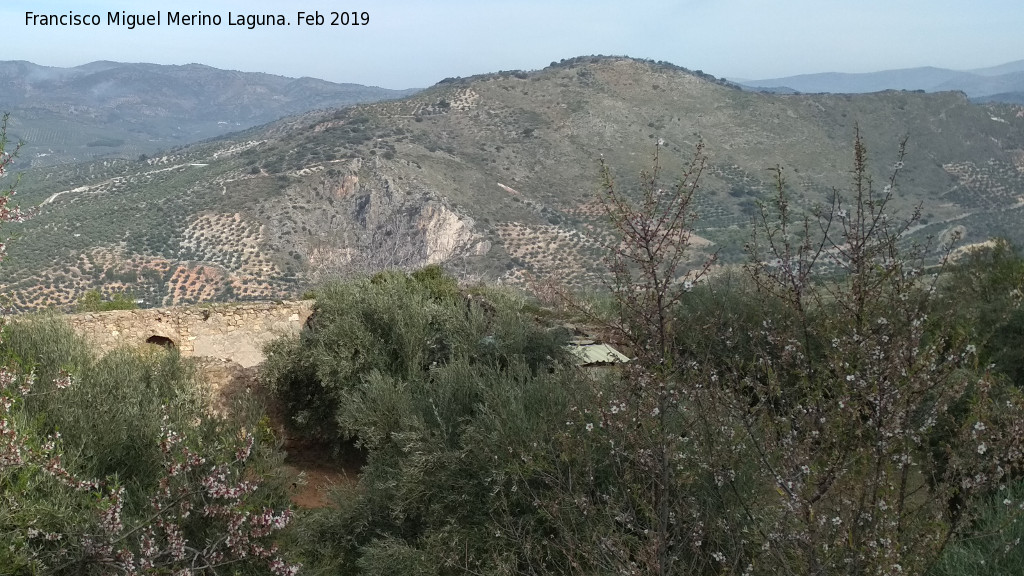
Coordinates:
[415,43]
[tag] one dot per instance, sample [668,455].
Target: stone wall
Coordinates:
[234,331]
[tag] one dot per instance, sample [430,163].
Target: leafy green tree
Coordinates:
[982,297]
[398,325]
[430,382]
[92,301]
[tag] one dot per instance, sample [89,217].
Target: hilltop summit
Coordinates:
[493,175]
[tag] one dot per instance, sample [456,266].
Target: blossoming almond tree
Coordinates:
[872,432]
[618,497]
[8,212]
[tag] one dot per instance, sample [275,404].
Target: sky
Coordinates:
[415,43]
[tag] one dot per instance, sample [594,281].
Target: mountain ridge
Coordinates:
[982,83]
[493,176]
[108,109]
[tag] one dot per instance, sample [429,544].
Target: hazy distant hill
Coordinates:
[998,83]
[1008,68]
[112,109]
[494,175]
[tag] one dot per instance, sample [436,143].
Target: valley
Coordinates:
[108,110]
[494,176]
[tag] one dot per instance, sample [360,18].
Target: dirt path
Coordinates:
[317,473]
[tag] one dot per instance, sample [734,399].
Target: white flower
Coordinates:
[590,426]
[718,556]
[982,448]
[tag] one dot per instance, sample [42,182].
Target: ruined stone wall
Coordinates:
[233,331]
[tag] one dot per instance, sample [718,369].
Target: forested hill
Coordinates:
[494,175]
[121,110]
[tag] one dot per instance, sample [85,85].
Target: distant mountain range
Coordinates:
[118,110]
[495,176]
[1004,83]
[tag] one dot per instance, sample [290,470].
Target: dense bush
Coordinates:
[981,297]
[439,387]
[439,480]
[92,301]
[117,463]
[396,326]
[111,418]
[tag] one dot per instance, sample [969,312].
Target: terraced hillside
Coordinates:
[493,175]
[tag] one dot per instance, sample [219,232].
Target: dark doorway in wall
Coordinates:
[161,341]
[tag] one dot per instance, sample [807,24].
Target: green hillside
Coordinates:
[492,175]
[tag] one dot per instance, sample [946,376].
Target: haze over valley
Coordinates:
[1003,83]
[117,110]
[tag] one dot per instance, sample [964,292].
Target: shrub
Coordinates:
[111,418]
[92,301]
[981,298]
[116,454]
[804,421]
[445,455]
[398,325]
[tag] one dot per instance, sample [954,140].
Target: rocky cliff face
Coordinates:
[445,233]
[366,215]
